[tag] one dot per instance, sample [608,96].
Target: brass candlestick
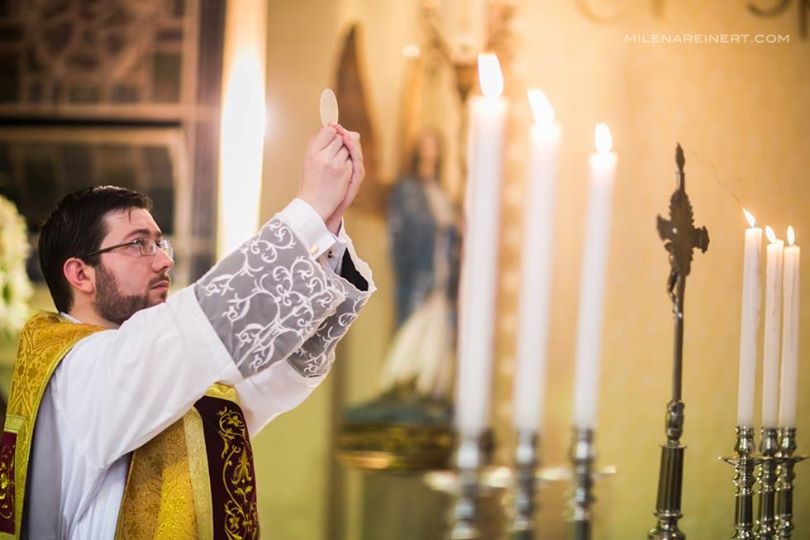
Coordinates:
[582,458]
[784,485]
[744,462]
[471,479]
[525,486]
[469,461]
[766,483]
[680,237]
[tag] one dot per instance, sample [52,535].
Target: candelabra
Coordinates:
[473,480]
[681,237]
[773,481]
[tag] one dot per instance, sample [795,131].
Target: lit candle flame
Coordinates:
[542,111]
[602,138]
[750,217]
[791,235]
[411,50]
[770,234]
[490,76]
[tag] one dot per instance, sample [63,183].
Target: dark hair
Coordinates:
[76,227]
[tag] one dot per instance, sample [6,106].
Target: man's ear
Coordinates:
[80,275]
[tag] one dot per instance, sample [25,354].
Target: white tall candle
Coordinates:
[591,292]
[773,328]
[478,277]
[529,380]
[790,334]
[749,322]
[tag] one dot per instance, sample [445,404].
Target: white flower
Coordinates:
[15,288]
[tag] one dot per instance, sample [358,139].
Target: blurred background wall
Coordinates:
[741,111]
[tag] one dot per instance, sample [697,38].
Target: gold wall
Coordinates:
[742,114]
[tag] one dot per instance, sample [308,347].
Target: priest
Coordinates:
[131,411]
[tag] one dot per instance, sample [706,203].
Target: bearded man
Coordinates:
[131,411]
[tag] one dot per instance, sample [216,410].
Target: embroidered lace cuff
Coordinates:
[268,297]
[315,357]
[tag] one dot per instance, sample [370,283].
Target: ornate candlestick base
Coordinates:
[525,485]
[744,463]
[582,458]
[769,461]
[670,478]
[469,462]
[784,485]
[472,482]
[668,509]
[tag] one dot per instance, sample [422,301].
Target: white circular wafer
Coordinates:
[329,107]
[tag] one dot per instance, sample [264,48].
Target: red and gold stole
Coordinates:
[194,480]
[44,341]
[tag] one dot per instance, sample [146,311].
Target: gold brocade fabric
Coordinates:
[44,342]
[196,479]
[159,500]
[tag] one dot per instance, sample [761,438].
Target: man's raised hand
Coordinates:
[328,172]
[351,141]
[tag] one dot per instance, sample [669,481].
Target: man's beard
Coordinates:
[111,304]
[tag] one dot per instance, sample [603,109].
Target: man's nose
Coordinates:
[162,261]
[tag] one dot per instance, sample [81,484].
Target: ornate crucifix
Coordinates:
[680,237]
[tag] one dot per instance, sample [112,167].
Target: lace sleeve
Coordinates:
[268,297]
[315,356]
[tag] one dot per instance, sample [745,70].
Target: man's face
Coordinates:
[126,281]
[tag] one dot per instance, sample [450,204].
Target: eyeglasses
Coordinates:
[145,247]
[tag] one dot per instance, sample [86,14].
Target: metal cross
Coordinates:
[679,233]
[680,239]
